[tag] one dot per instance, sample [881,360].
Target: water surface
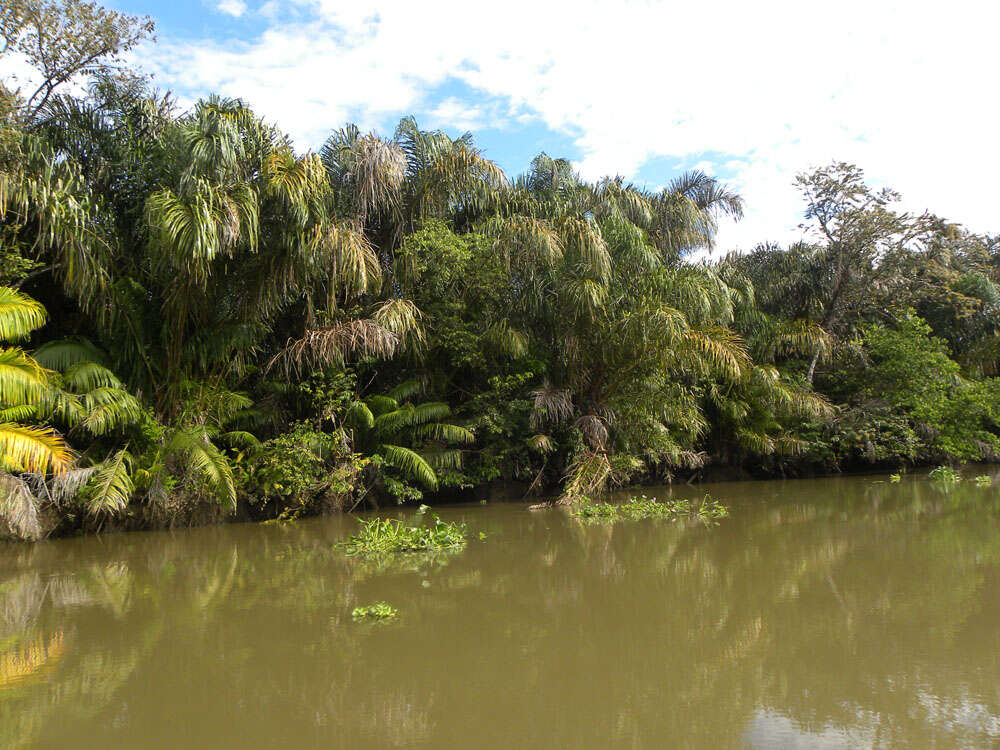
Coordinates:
[846,612]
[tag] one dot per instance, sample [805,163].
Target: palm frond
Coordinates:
[106,409]
[359,415]
[18,507]
[541,443]
[409,463]
[111,487]
[64,353]
[19,314]
[446,433]
[333,344]
[204,458]
[22,380]
[33,449]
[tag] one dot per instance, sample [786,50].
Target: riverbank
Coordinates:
[189,514]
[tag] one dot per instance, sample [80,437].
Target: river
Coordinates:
[839,612]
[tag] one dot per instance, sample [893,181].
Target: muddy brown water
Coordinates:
[844,612]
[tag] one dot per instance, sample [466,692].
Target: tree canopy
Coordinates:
[196,317]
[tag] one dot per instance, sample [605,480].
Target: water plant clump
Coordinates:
[640,507]
[380,536]
[377,612]
[983,480]
[945,474]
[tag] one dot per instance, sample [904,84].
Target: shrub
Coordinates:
[299,470]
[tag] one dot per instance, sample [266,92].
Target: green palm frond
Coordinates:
[448,458]
[22,413]
[409,463]
[358,414]
[19,314]
[722,348]
[507,340]
[409,415]
[380,404]
[405,390]
[239,439]
[708,193]
[106,409]
[447,433]
[88,376]
[586,247]
[526,241]
[585,297]
[586,476]
[356,266]
[62,354]
[22,379]
[205,459]
[402,318]
[38,450]
[110,488]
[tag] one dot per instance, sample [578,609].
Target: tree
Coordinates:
[65,39]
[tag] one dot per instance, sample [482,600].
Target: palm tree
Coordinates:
[25,387]
[412,439]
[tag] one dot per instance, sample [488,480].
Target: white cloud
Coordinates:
[234,8]
[454,113]
[905,89]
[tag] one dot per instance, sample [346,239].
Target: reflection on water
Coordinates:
[844,612]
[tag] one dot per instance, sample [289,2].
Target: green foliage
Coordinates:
[379,536]
[983,480]
[299,470]
[377,612]
[640,508]
[945,474]
[911,371]
[230,321]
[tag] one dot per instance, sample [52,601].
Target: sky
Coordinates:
[753,92]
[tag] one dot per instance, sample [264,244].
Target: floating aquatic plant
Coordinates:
[377,612]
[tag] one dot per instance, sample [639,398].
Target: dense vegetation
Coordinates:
[199,320]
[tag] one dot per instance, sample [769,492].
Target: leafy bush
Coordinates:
[910,369]
[300,469]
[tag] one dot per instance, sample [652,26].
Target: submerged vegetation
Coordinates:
[707,510]
[197,320]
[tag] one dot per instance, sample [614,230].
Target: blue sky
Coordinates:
[752,92]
